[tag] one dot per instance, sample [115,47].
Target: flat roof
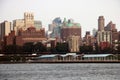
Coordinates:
[96,55]
[84,56]
[53,55]
[47,56]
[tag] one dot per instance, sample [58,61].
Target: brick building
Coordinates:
[89,40]
[66,32]
[24,36]
[110,27]
[69,28]
[30,35]
[10,39]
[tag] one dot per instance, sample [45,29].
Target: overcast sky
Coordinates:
[85,12]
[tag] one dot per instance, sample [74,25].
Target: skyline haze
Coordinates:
[85,12]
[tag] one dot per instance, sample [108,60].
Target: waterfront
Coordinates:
[75,71]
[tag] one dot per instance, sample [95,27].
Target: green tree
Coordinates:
[106,50]
[28,47]
[5,58]
[39,47]
[85,48]
[118,49]
[62,47]
[13,48]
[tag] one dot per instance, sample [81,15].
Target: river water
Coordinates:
[74,71]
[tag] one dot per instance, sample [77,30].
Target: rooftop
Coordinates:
[96,55]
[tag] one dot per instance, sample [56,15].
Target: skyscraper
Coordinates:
[69,28]
[104,38]
[25,23]
[29,19]
[111,27]
[101,23]
[55,29]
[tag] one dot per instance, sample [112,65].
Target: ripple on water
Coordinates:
[80,71]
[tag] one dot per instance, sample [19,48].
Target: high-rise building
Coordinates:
[101,23]
[115,35]
[89,40]
[110,27]
[5,29]
[25,23]
[104,37]
[57,21]
[94,32]
[87,33]
[69,29]
[38,24]
[74,43]
[51,27]
[18,24]
[28,19]
[115,39]
[23,31]
[55,29]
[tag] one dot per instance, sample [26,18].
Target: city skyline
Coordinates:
[84,12]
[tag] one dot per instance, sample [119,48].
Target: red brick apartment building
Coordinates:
[24,36]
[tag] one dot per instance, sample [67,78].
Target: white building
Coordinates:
[104,36]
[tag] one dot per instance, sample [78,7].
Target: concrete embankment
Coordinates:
[60,62]
[82,61]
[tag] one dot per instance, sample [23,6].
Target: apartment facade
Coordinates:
[5,29]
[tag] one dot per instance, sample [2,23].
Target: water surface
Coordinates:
[76,71]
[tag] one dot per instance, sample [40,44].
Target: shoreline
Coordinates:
[64,62]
